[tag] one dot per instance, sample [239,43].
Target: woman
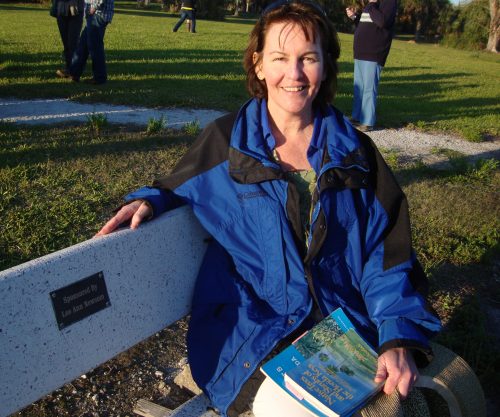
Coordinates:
[282,258]
[69,14]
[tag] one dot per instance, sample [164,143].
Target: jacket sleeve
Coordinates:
[159,200]
[393,284]
[382,13]
[208,150]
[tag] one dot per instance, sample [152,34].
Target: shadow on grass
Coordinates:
[470,329]
[143,77]
[442,170]
[67,150]
[144,13]
[21,7]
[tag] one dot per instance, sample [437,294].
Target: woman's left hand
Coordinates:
[397,367]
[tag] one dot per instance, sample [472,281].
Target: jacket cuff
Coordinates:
[422,355]
[159,200]
[403,333]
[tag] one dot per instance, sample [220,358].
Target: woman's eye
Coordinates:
[310,59]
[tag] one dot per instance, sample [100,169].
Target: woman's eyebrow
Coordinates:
[313,52]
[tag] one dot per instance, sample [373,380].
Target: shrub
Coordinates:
[470,28]
[192,128]
[96,122]
[156,125]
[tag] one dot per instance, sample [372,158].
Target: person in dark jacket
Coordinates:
[372,42]
[69,14]
[305,217]
[188,11]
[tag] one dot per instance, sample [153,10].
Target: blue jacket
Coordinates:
[257,283]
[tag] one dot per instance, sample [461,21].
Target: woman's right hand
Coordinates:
[137,211]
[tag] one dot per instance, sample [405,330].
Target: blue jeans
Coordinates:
[366,78]
[186,14]
[91,42]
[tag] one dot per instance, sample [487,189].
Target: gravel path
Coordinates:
[413,144]
[408,144]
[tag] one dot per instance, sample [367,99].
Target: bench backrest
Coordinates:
[65,313]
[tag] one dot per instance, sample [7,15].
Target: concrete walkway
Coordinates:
[408,144]
[46,111]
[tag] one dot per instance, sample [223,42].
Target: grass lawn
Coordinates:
[58,184]
[423,85]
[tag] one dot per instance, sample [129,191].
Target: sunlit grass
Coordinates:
[425,86]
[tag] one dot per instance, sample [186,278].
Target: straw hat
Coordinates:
[446,387]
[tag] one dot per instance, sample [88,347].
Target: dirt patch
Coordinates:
[112,389]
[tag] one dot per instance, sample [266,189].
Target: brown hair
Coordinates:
[313,21]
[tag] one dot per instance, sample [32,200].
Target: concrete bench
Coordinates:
[66,313]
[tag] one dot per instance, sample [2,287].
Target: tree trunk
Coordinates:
[237,8]
[418,27]
[494,33]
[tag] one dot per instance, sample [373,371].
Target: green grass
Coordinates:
[425,86]
[57,185]
[456,233]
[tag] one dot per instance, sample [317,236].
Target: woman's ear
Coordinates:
[258,66]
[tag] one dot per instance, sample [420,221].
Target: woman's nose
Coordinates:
[295,69]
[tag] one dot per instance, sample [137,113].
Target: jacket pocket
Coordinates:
[257,246]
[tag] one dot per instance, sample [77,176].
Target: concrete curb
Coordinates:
[47,111]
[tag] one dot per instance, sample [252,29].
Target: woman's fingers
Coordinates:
[398,369]
[123,215]
[144,212]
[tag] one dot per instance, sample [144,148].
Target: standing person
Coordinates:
[98,14]
[188,11]
[372,42]
[305,217]
[69,14]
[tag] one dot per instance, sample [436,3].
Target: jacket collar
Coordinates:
[252,144]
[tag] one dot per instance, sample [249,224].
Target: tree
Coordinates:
[425,16]
[237,7]
[494,32]
[470,28]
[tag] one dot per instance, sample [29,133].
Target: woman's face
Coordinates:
[292,68]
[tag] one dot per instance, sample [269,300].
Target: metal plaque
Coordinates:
[80,299]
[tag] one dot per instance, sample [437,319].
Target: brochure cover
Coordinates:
[337,372]
[329,370]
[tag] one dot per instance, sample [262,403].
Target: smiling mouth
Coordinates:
[295,89]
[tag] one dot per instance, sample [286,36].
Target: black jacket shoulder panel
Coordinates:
[397,242]
[208,150]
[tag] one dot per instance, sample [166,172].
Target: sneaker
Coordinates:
[63,73]
[364,128]
[354,122]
